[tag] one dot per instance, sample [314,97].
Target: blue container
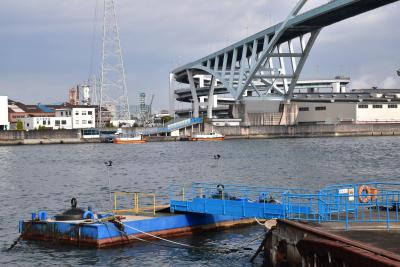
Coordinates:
[42,215]
[33,216]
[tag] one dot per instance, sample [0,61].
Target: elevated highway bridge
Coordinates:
[273,56]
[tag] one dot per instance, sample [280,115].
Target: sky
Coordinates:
[48,46]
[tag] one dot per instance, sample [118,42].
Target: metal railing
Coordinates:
[135,202]
[168,128]
[373,202]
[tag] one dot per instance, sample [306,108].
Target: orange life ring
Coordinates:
[371,193]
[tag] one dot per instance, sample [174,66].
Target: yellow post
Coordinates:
[134,202]
[154,204]
[137,203]
[115,201]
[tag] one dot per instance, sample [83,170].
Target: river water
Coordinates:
[45,177]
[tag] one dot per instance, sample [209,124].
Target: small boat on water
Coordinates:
[212,136]
[129,139]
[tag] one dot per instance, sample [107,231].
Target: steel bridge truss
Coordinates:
[259,64]
[247,66]
[275,55]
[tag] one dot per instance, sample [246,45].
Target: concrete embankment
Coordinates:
[230,132]
[250,132]
[41,137]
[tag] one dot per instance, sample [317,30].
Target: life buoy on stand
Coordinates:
[371,193]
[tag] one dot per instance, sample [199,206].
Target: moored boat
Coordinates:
[123,139]
[212,136]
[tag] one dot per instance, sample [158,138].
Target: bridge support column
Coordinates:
[195,106]
[211,98]
[172,80]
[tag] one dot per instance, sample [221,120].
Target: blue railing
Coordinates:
[357,203]
[169,128]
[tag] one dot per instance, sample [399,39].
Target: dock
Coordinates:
[339,225]
[289,243]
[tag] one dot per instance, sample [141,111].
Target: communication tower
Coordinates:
[113,89]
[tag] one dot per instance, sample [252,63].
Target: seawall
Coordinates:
[41,137]
[232,132]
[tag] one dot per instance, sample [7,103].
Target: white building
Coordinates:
[83,117]
[4,123]
[348,112]
[55,123]
[64,118]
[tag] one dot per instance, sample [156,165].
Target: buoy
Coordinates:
[42,216]
[371,193]
[88,215]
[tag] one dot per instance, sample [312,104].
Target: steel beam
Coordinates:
[211,98]
[194,94]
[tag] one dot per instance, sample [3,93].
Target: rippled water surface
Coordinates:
[45,178]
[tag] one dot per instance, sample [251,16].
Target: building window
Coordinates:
[362,106]
[77,113]
[304,109]
[377,106]
[90,122]
[77,122]
[44,122]
[84,122]
[62,113]
[392,106]
[83,112]
[90,113]
[320,108]
[57,122]
[64,122]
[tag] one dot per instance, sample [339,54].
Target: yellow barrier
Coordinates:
[136,197]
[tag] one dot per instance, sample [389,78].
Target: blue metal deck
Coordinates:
[338,203]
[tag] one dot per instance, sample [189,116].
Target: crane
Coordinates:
[151,105]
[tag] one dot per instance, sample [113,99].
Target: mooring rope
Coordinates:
[180,245]
[259,222]
[16,241]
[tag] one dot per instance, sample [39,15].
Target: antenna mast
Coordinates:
[113,89]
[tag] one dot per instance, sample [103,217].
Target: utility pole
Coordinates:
[113,89]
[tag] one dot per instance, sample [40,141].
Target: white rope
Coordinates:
[157,237]
[259,222]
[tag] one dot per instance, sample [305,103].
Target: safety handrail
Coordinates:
[137,202]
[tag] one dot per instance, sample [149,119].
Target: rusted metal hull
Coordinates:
[123,141]
[107,235]
[298,244]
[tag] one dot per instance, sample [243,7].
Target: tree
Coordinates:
[20,125]
[166,119]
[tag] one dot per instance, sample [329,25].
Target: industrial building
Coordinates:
[4,122]
[327,101]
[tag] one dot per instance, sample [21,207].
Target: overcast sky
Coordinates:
[46,45]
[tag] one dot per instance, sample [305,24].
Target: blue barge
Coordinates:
[87,228]
[211,206]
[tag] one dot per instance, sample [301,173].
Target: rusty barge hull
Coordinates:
[137,229]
